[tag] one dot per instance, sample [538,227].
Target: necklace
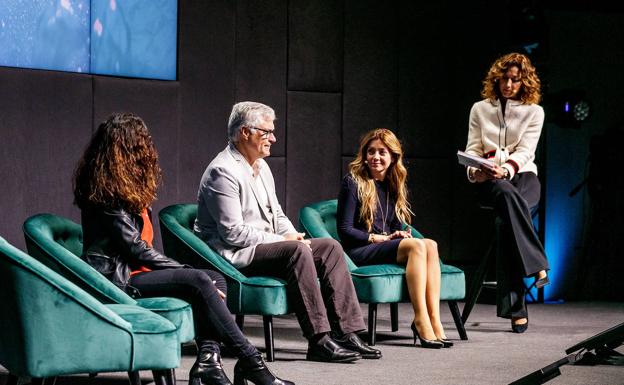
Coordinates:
[383,215]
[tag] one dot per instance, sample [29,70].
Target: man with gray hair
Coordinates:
[240,218]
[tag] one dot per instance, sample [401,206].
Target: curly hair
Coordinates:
[529,91]
[119,168]
[396,176]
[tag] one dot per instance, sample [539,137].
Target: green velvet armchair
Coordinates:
[384,283]
[265,296]
[57,243]
[51,327]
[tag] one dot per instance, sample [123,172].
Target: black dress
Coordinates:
[353,232]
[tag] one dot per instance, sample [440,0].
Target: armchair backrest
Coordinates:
[47,320]
[318,220]
[57,243]
[181,243]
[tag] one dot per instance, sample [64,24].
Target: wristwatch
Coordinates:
[506,174]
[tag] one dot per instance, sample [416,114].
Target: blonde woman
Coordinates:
[372,208]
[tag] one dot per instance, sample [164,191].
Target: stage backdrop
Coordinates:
[332,70]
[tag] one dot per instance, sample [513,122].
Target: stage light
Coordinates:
[569,108]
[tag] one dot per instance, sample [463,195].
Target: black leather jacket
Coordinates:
[113,245]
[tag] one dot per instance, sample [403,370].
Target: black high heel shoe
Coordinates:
[445,343]
[425,343]
[208,370]
[255,370]
[519,328]
[541,282]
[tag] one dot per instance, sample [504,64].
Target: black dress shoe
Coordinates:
[519,328]
[354,343]
[327,350]
[255,370]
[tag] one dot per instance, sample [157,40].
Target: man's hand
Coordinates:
[294,236]
[298,237]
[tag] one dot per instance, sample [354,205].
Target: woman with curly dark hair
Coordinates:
[115,184]
[505,127]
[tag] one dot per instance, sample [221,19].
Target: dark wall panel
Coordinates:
[425,92]
[315,45]
[278,168]
[430,196]
[313,147]
[206,75]
[156,102]
[370,70]
[261,58]
[45,123]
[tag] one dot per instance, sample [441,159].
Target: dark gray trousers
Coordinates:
[332,305]
[521,252]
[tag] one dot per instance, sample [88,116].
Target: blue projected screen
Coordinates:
[134,38]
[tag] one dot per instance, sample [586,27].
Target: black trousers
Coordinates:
[521,254]
[213,321]
[332,305]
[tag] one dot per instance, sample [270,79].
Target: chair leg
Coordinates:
[372,323]
[12,380]
[134,377]
[240,320]
[170,377]
[476,284]
[268,337]
[159,377]
[459,324]
[394,316]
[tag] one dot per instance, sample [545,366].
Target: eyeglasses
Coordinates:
[265,133]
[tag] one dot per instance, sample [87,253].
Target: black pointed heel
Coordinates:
[519,328]
[539,283]
[425,343]
[445,343]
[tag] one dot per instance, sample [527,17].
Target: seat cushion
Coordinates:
[155,339]
[386,283]
[175,310]
[258,295]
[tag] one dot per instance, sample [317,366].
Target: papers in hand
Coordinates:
[473,161]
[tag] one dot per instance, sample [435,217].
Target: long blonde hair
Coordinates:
[396,177]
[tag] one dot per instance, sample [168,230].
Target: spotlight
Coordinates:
[569,107]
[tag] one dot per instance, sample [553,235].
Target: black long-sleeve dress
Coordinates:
[353,232]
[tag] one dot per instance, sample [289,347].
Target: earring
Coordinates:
[366,161]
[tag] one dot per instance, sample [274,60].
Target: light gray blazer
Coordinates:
[229,216]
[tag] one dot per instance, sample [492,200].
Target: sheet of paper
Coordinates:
[472,160]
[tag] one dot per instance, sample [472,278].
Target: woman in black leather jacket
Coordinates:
[114,185]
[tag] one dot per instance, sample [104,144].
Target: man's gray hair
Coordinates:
[247,114]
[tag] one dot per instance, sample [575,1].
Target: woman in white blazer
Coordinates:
[505,128]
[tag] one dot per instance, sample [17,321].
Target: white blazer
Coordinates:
[229,216]
[508,140]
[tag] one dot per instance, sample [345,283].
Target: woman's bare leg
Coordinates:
[433,287]
[413,253]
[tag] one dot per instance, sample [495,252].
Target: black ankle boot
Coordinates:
[255,370]
[208,369]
